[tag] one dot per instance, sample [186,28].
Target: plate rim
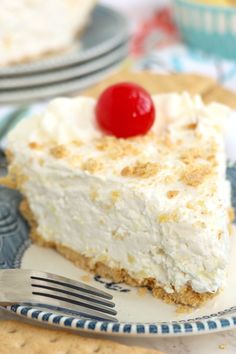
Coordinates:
[60,61]
[51,77]
[150,330]
[72,87]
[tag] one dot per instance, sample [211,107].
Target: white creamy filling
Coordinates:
[126,234]
[76,208]
[30,28]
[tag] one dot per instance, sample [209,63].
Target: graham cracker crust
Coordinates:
[185,297]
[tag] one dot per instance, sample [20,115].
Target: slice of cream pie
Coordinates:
[149,209]
[33,28]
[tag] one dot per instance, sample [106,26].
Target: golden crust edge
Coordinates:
[185,297]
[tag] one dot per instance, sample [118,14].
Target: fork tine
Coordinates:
[77,293]
[63,305]
[56,279]
[74,299]
[52,291]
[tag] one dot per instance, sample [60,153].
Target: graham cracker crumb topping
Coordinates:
[206,153]
[220,234]
[77,142]
[192,126]
[195,174]
[172,194]
[141,170]
[34,145]
[231,214]
[200,224]
[116,148]
[190,205]
[59,151]
[189,155]
[117,236]
[115,195]
[92,165]
[172,217]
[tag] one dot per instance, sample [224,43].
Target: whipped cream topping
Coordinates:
[178,110]
[64,120]
[68,119]
[31,28]
[130,222]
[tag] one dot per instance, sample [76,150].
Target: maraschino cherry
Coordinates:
[125,110]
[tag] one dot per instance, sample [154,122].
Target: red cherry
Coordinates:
[125,110]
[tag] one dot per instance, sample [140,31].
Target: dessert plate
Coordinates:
[73,85]
[65,73]
[107,30]
[139,313]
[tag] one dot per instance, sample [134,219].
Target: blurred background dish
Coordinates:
[66,73]
[218,2]
[32,29]
[71,86]
[106,30]
[206,25]
[103,46]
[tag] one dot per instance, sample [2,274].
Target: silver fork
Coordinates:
[52,291]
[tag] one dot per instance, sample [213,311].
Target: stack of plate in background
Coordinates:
[103,46]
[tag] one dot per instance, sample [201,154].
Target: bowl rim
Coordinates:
[215,8]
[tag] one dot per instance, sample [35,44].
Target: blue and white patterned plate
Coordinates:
[138,314]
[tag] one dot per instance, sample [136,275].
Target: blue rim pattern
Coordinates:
[193,326]
[11,251]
